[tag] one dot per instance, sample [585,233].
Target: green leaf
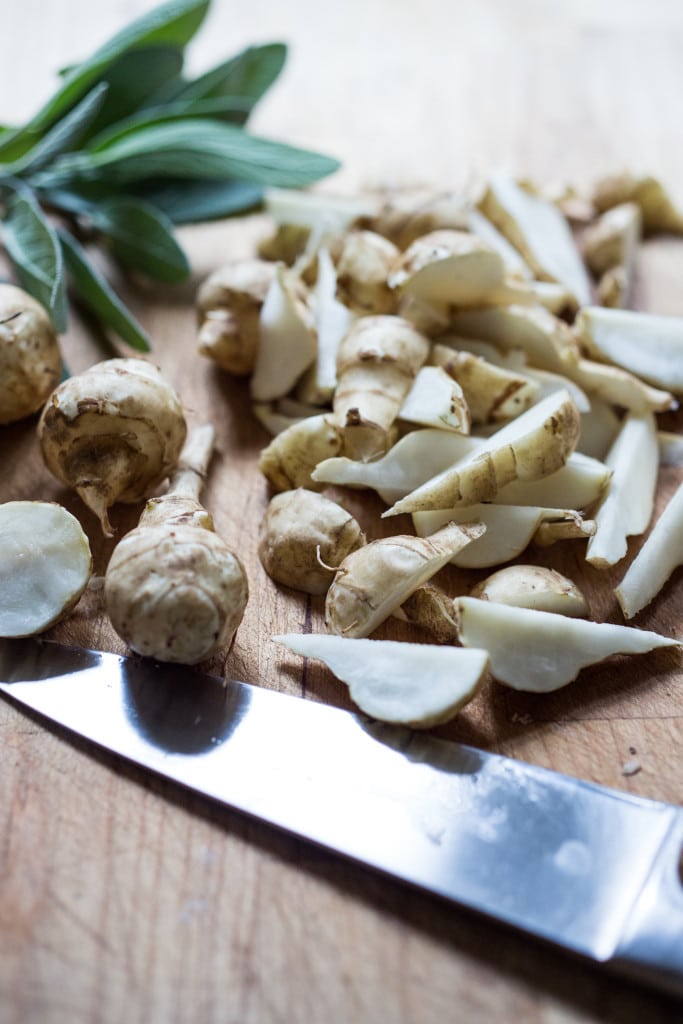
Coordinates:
[192,202]
[249,74]
[131,80]
[65,135]
[141,237]
[98,296]
[195,149]
[36,254]
[171,24]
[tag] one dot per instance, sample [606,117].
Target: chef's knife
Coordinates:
[590,869]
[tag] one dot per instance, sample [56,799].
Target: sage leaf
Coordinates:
[141,237]
[65,135]
[195,201]
[196,149]
[36,254]
[171,24]
[97,295]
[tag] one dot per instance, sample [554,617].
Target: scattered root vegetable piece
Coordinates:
[304,537]
[661,553]
[647,345]
[599,428]
[290,458]
[533,586]
[509,530]
[363,269]
[287,338]
[332,321]
[577,528]
[658,210]
[547,341]
[534,445]
[173,589]
[670,448]
[372,582]
[540,651]
[554,297]
[436,400]
[547,383]
[311,209]
[613,239]
[113,433]
[229,304]
[272,418]
[491,392]
[452,269]
[515,265]
[577,485]
[45,566]
[616,386]
[418,685]
[539,230]
[406,214]
[430,610]
[627,505]
[415,458]
[376,365]
[30,359]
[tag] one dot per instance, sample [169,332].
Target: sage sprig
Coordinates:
[127,148]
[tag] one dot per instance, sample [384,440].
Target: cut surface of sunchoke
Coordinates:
[661,553]
[44,568]
[533,586]
[648,345]
[418,685]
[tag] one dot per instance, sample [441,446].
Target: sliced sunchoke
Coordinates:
[287,338]
[436,400]
[372,582]
[304,537]
[547,342]
[645,344]
[533,586]
[492,393]
[659,212]
[661,553]
[290,458]
[173,589]
[113,433]
[45,566]
[229,304]
[418,685]
[540,651]
[30,360]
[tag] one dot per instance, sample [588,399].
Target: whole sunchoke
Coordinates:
[30,360]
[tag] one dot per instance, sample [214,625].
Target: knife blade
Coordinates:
[590,869]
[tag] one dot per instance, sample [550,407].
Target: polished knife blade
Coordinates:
[590,869]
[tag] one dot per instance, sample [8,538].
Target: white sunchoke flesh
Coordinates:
[45,566]
[173,589]
[112,433]
[30,359]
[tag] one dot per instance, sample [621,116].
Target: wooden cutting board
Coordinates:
[124,898]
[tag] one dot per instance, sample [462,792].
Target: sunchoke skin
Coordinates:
[173,589]
[229,304]
[113,433]
[292,455]
[30,360]
[304,537]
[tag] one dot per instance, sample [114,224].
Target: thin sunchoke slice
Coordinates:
[539,230]
[646,344]
[533,586]
[436,400]
[628,503]
[492,393]
[616,386]
[45,566]
[373,581]
[332,321]
[661,553]
[538,651]
[534,445]
[547,342]
[287,339]
[418,685]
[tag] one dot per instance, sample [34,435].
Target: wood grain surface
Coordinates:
[125,899]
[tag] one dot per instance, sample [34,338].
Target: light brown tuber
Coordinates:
[30,360]
[173,589]
[113,433]
[229,304]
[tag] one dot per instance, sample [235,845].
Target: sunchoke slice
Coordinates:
[628,503]
[287,339]
[45,566]
[659,211]
[547,342]
[491,392]
[290,458]
[30,359]
[332,321]
[229,304]
[661,553]
[617,386]
[113,433]
[372,582]
[303,538]
[436,400]
[534,445]
[533,586]
[418,685]
[509,530]
[539,231]
[538,651]
[173,589]
[645,344]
